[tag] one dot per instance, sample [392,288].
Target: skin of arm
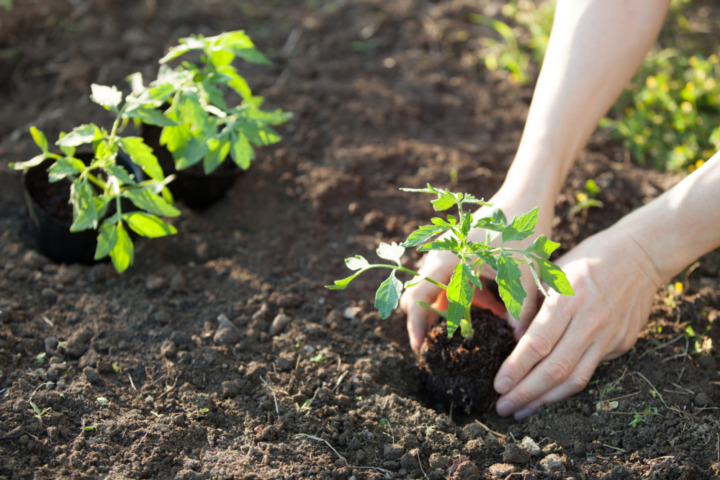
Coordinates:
[595,48]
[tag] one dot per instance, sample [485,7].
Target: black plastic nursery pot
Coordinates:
[51,214]
[192,186]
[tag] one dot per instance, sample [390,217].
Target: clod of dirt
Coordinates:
[460,372]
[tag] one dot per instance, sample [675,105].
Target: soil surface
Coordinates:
[220,355]
[459,373]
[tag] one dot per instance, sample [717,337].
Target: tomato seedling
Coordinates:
[452,234]
[100,182]
[204,126]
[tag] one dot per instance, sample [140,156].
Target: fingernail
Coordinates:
[523,414]
[504,407]
[503,385]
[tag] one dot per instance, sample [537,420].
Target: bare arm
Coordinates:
[596,45]
[595,48]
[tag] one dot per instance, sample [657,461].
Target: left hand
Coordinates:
[614,282]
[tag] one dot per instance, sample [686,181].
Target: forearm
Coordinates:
[595,48]
[682,224]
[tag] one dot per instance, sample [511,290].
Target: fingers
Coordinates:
[576,382]
[539,341]
[419,319]
[566,371]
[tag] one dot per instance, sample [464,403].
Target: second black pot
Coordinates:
[192,186]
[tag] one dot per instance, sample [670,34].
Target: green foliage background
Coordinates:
[669,116]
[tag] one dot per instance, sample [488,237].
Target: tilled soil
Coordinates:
[221,355]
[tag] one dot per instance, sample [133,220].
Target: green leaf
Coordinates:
[343,282]
[33,162]
[467,224]
[174,52]
[469,273]
[39,139]
[80,136]
[521,226]
[151,116]
[509,285]
[495,222]
[85,214]
[422,234]
[460,289]
[391,251]
[107,238]
[356,263]
[554,277]
[148,225]
[543,247]
[221,58]
[236,82]
[444,202]
[123,253]
[141,154]
[450,244]
[108,97]
[241,151]
[261,135]
[387,296]
[218,149]
[121,174]
[186,149]
[455,314]
[150,202]
[64,167]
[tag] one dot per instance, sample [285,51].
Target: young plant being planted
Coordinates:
[498,252]
[101,190]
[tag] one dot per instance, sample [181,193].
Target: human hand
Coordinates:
[614,281]
[439,266]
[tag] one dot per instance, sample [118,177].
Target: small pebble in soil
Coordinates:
[501,470]
[393,451]
[530,446]
[231,388]
[701,400]
[226,336]
[284,364]
[51,344]
[439,461]
[289,300]
[78,342]
[552,463]
[512,453]
[278,324]
[334,319]
[91,375]
[471,431]
[154,283]
[168,349]
[180,339]
[409,460]
[53,433]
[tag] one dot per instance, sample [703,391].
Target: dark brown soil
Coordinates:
[221,355]
[458,373]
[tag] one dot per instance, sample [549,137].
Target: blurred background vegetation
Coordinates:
[669,116]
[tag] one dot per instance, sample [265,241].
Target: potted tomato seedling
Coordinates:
[85,200]
[459,369]
[214,115]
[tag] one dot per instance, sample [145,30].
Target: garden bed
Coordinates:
[134,376]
